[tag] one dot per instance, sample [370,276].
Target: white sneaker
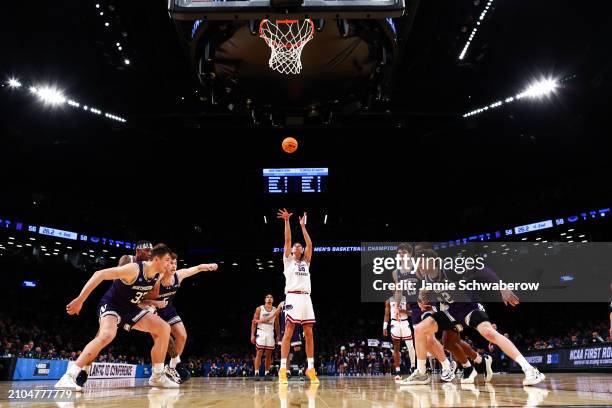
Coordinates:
[416,378]
[447,375]
[173,374]
[488,361]
[161,380]
[67,381]
[533,376]
[454,366]
[469,374]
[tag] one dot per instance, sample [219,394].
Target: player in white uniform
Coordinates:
[298,305]
[400,331]
[262,334]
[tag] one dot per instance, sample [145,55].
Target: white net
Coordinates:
[286,39]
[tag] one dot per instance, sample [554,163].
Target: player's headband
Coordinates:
[144,245]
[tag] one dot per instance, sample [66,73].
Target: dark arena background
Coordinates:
[435,123]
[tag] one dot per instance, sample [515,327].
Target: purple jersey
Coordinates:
[123,293]
[168,292]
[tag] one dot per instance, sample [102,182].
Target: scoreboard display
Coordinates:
[302,180]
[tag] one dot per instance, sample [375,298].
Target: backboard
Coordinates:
[258,9]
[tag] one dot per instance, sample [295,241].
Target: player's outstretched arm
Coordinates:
[127,272]
[308,249]
[277,313]
[285,215]
[186,273]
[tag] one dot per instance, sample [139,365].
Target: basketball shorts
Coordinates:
[169,314]
[450,319]
[401,329]
[127,314]
[298,308]
[264,339]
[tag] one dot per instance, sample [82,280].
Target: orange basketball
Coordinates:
[290,145]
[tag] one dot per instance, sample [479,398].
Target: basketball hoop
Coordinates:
[286,39]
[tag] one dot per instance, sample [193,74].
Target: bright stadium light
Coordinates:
[50,95]
[14,83]
[539,89]
[536,90]
[53,96]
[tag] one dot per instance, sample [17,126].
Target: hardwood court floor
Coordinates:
[504,390]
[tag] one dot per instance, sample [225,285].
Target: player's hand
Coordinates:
[74,307]
[303,220]
[253,339]
[212,267]
[509,297]
[160,304]
[385,332]
[284,214]
[257,321]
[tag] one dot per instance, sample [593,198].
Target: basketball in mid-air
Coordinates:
[290,145]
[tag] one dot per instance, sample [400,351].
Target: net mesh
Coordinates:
[286,39]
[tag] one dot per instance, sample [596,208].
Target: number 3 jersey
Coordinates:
[121,299]
[130,293]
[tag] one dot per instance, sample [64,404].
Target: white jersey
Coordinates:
[403,306]
[297,275]
[263,313]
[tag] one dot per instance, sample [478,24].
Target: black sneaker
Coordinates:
[183,372]
[256,378]
[81,379]
[267,377]
[469,373]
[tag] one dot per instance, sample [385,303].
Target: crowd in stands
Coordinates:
[22,338]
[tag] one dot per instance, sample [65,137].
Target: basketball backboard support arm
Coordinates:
[257,9]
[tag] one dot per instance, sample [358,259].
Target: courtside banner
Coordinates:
[35,369]
[112,370]
[574,358]
[458,272]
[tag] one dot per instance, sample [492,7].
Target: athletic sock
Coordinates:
[158,368]
[267,372]
[174,361]
[310,362]
[466,365]
[520,360]
[87,369]
[422,366]
[283,363]
[478,358]
[73,370]
[446,364]
[397,370]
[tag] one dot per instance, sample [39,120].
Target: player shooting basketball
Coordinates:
[298,304]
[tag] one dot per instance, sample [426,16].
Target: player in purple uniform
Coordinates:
[161,297]
[451,340]
[457,308]
[142,253]
[119,307]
